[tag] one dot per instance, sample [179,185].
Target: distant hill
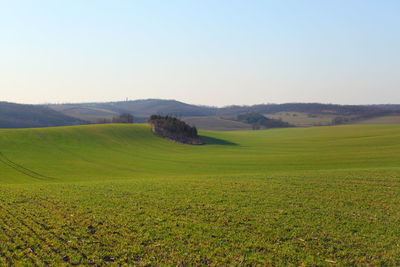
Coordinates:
[28,116]
[165,107]
[204,117]
[87,112]
[147,107]
[312,108]
[216,123]
[387,106]
[209,117]
[141,109]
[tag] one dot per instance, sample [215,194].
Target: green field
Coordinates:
[116,194]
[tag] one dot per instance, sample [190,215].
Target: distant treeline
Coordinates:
[366,115]
[23,116]
[145,108]
[313,108]
[122,118]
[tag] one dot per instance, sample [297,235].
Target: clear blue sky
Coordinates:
[203,52]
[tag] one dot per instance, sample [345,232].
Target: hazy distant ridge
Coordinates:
[27,116]
[24,116]
[147,107]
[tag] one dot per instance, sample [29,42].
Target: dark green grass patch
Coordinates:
[301,219]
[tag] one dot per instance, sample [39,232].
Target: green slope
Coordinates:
[129,151]
[116,194]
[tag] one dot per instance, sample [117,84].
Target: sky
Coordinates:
[200,51]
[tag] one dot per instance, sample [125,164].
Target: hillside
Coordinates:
[203,117]
[313,108]
[142,109]
[134,150]
[119,195]
[393,119]
[27,116]
[302,119]
[217,123]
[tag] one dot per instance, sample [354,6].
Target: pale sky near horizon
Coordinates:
[202,52]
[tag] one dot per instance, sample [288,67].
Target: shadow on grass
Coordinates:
[215,141]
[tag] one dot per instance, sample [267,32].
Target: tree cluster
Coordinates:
[175,129]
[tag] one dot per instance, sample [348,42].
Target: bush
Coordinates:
[175,129]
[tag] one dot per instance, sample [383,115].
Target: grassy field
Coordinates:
[117,194]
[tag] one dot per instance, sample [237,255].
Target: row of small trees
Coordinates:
[259,121]
[122,118]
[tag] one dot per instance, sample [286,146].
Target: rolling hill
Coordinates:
[205,118]
[141,109]
[27,116]
[210,116]
[117,194]
[134,151]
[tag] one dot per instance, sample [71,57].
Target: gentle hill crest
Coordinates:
[125,151]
